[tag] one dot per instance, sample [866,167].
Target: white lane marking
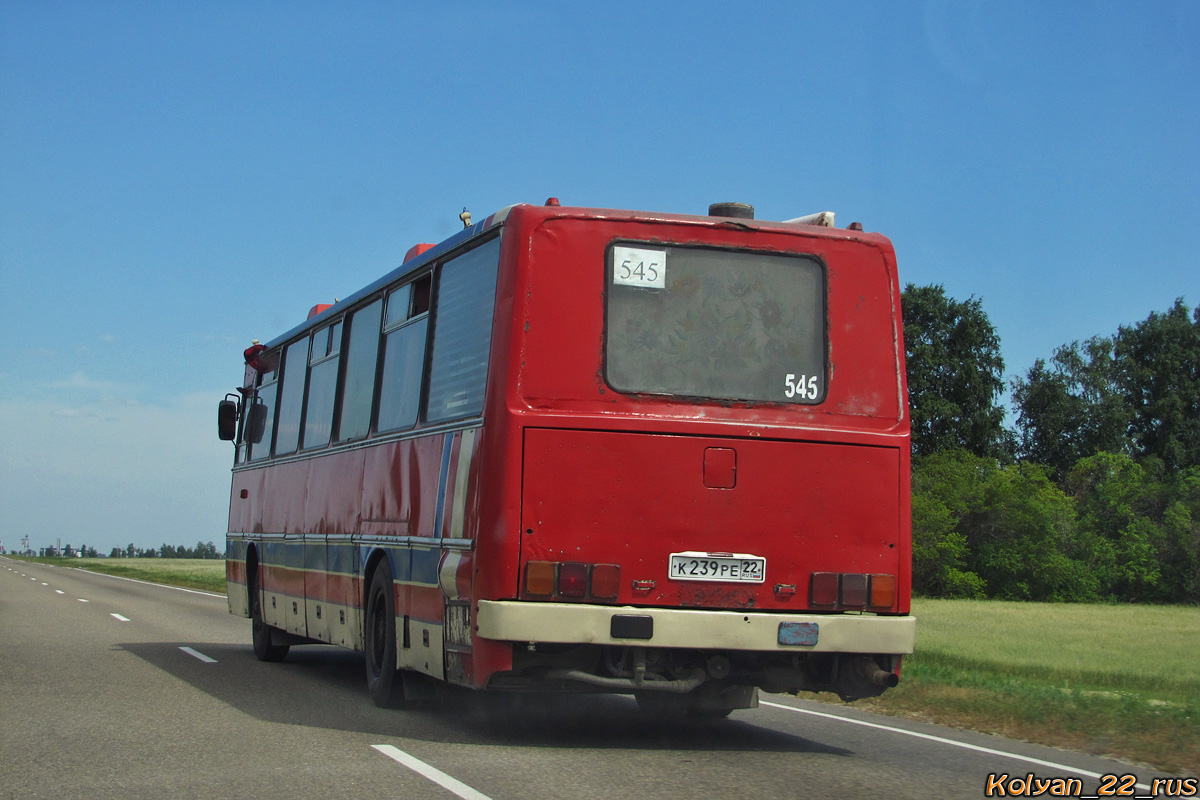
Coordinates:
[118,616]
[940,740]
[432,773]
[151,583]
[82,600]
[199,655]
[45,584]
[59,591]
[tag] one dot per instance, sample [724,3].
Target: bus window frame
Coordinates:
[333,350]
[823,279]
[435,303]
[395,325]
[261,384]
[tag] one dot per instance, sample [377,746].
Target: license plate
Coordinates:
[724,567]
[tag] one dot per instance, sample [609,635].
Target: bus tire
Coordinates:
[260,632]
[384,682]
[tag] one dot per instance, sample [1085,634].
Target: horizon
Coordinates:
[175,182]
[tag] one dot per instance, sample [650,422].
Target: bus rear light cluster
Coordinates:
[853,591]
[571,580]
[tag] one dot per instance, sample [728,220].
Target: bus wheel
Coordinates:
[260,632]
[383,681]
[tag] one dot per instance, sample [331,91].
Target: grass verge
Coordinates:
[1106,679]
[193,573]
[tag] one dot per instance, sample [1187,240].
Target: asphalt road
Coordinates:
[99,699]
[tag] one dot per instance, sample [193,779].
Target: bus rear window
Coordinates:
[720,324]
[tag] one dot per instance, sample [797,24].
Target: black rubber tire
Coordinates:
[384,681]
[260,632]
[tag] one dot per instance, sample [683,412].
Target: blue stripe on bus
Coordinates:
[425,565]
[341,557]
[417,564]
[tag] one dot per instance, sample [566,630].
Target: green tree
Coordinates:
[1159,363]
[1002,530]
[1072,407]
[1025,543]
[1118,504]
[954,372]
[940,553]
[1181,526]
[207,550]
[1145,521]
[1136,392]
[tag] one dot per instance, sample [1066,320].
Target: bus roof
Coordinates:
[813,224]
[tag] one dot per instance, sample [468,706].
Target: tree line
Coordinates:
[1093,492]
[201,550]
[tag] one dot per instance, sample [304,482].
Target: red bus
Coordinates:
[573,449]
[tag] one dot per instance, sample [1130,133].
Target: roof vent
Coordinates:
[738,210]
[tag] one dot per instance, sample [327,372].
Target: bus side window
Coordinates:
[260,418]
[322,385]
[403,355]
[291,397]
[462,334]
[358,386]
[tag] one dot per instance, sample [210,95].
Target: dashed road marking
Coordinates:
[59,591]
[82,600]
[199,655]
[122,619]
[432,773]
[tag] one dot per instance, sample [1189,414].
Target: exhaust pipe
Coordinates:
[867,668]
[683,686]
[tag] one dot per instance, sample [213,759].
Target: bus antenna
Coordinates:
[465,216]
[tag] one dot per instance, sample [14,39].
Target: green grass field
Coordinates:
[192,573]
[1120,680]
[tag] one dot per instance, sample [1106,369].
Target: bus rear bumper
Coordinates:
[577,623]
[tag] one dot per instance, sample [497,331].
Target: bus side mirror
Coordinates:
[227,414]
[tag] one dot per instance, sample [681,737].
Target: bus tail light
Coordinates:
[539,578]
[572,579]
[883,592]
[852,591]
[825,588]
[606,581]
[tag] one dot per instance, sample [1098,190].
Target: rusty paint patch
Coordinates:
[801,634]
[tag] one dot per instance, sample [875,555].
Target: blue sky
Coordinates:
[178,179]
